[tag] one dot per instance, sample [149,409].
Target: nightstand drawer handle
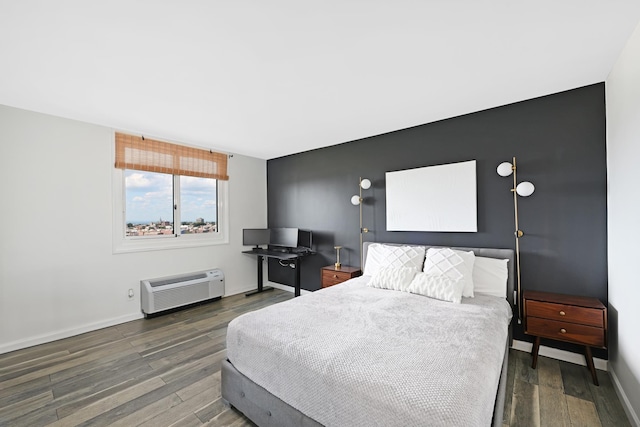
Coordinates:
[335,276]
[563,331]
[562,313]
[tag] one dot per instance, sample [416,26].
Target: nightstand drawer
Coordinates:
[566,313]
[565,331]
[330,282]
[330,278]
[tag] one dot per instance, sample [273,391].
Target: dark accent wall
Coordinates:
[559,141]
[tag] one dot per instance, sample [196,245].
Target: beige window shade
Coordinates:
[134,152]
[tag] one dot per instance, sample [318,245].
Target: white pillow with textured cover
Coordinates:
[394,278]
[457,265]
[379,256]
[490,276]
[440,287]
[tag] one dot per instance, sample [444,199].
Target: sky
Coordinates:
[149,197]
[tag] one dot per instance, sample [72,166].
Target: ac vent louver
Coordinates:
[165,293]
[162,282]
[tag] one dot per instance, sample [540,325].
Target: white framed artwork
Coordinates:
[433,198]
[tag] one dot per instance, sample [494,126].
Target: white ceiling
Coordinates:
[271,78]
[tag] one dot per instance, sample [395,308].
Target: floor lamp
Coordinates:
[357,200]
[524,189]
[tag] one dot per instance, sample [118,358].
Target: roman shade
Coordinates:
[139,153]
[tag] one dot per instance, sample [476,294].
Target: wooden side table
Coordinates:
[330,275]
[579,320]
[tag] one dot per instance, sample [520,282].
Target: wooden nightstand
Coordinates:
[579,320]
[330,275]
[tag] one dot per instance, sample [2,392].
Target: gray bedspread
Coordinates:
[350,355]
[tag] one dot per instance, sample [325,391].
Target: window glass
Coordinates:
[198,205]
[148,204]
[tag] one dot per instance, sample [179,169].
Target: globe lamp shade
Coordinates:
[525,189]
[505,169]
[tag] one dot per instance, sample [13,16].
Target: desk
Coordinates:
[292,257]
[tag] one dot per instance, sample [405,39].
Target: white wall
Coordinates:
[623,158]
[58,273]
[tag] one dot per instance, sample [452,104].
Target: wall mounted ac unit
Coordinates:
[165,293]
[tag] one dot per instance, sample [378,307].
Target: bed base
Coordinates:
[257,404]
[266,410]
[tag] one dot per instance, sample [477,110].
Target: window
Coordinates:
[149,204]
[167,195]
[152,208]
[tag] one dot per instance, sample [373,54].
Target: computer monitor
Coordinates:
[285,238]
[255,237]
[305,239]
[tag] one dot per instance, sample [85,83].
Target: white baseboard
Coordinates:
[563,355]
[287,288]
[45,338]
[626,404]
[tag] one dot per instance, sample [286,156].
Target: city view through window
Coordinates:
[150,200]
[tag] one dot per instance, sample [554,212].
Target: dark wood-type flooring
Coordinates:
[165,371]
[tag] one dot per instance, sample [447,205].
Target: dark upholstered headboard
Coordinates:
[484,252]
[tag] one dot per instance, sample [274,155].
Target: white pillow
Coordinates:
[440,286]
[379,255]
[394,278]
[490,276]
[457,265]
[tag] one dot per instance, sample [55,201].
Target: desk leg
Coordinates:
[297,282]
[260,278]
[260,275]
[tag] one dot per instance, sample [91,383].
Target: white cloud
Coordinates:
[137,180]
[194,185]
[146,180]
[162,193]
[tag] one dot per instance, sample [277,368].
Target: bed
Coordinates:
[357,355]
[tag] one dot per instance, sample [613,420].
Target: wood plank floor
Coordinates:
[165,371]
[559,394]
